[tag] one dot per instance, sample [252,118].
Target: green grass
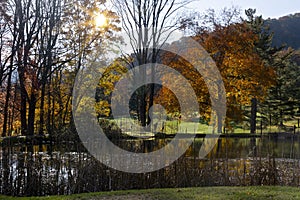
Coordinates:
[257,192]
[170,126]
[186,127]
[173,127]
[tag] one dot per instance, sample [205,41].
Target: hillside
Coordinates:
[286,30]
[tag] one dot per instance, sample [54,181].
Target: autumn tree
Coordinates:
[37,25]
[167,98]
[110,76]
[46,48]
[245,75]
[6,60]
[82,45]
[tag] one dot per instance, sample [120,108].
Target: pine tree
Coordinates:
[263,47]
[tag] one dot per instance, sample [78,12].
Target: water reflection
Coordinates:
[68,168]
[226,147]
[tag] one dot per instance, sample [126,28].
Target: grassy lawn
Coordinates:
[170,127]
[258,192]
[173,127]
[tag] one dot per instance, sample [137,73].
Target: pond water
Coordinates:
[232,147]
[66,169]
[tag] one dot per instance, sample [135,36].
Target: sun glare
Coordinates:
[100,20]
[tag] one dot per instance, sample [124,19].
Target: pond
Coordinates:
[69,168]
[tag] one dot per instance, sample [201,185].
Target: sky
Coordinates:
[266,8]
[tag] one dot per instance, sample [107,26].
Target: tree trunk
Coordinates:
[6,106]
[42,105]
[31,114]
[253,116]
[13,52]
[142,106]
[152,86]
[23,111]
[219,123]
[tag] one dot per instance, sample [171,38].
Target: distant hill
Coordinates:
[286,30]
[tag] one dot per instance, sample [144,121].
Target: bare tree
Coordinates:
[33,29]
[146,22]
[8,29]
[49,36]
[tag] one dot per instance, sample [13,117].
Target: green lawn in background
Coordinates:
[210,193]
[173,127]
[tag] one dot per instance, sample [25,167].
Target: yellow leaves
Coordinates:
[103,108]
[110,76]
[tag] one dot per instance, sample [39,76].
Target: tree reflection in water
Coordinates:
[27,171]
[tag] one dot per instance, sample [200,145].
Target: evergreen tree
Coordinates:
[263,46]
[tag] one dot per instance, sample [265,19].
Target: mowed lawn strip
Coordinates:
[253,192]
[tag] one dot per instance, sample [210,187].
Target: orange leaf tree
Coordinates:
[245,74]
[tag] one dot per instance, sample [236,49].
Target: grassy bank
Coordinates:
[258,192]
